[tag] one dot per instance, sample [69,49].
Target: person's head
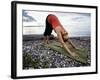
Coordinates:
[65,36]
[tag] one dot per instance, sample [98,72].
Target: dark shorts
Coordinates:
[48,28]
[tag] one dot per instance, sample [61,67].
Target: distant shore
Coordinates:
[39,37]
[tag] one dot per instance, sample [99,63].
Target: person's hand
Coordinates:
[77,48]
[74,55]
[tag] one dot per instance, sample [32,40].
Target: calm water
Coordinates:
[72,32]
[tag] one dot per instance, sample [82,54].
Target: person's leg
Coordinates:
[45,35]
[47,40]
[44,39]
[48,31]
[72,44]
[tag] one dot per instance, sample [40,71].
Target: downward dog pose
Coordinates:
[52,23]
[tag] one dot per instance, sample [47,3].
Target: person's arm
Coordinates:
[60,37]
[66,38]
[72,44]
[62,42]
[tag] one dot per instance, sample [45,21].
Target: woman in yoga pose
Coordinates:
[53,23]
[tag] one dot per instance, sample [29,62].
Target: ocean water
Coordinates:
[72,32]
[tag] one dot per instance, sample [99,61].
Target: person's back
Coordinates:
[53,20]
[53,23]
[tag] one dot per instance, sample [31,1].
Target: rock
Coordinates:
[44,57]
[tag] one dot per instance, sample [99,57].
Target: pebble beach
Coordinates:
[37,56]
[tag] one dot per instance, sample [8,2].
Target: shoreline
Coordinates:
[40,37]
